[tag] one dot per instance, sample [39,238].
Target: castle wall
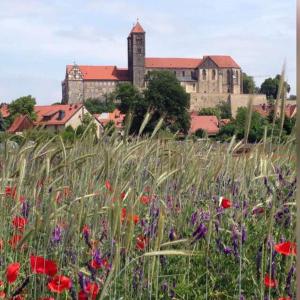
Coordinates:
[74,91]
[199,100]
[98,89]
[242,100]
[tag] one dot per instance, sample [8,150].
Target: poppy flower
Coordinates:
[59,283]
[108,185]
[19,222]
[22,199]
[40,265]
[286,248]
[2,295]
[225,203]
[14,241]
[141,242]
[123,214]
[10,191]
[145,199]
[106,264]
[269,282]
[86,230]
[82,295]
[12,272]
[284,298]
[135,219]
[123,194]
[92,290]
[18,297]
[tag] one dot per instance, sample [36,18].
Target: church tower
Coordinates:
[136,55]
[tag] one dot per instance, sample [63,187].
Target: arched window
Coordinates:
[213,75]
[228,77]
[203,74]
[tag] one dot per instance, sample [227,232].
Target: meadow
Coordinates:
[147,218]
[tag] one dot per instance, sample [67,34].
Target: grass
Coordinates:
[65,186]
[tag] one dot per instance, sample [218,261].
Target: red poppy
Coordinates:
[2,295]
[123,194]
[284,298]
[92,289]
[14,241]
[135,219]
[86,230]
[225,203]
[141,242]
[123,214]
[269,282]
[22,199]
[286,248]
[105,264]
[59,283]
[145,199]
[40,265]
[108,185]
[19,222]
[18,297]
[258,210]
[10,191]
[12,272]
[82,295]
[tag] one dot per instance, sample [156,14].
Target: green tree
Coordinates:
[69,134]
[97,106]
[225,110]
[210,111]
[86,122]
[22,106]
[167,98]
[248,84]
[270,87]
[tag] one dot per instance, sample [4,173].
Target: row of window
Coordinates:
[213,74]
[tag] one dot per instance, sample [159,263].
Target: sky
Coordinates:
[38,38]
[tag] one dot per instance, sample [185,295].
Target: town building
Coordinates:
[209,79]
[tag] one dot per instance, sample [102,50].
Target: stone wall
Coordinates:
[242,100]
[199,101]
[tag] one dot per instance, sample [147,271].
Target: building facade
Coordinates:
[212,75]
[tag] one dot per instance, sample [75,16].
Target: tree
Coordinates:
[22,106]
[210,111]
[225,110]
[167,98]
[86,122]
[270,87]
[248,84]
[96,106]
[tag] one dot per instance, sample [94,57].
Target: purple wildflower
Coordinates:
[200,232]
[227,250]
[172,234]
[244,234]
[56,235]
[25,209]
[288,287]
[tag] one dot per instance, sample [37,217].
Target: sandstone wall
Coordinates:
[242,100]
[199,101]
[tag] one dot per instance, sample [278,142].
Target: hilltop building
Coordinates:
[209,80]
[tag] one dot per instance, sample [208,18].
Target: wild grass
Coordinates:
[64,186]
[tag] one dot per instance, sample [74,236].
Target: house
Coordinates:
[116,117]
[265,109]
[209,124]
[53,118]
[20,124]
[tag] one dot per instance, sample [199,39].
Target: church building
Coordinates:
[206,78]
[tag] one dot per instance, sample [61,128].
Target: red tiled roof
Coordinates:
[116,116]
[49,114]
[19,124]
[265,109]
[172,63]
[102,73]
[206,123]
[137,28]
[224,122]
[4,110]
[222,61]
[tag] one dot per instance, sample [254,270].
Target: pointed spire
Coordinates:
[137,28]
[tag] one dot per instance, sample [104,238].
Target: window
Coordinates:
[183,73]
[213,75]
[228,77]
[203,74]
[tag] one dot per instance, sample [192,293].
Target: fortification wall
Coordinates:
[199,101]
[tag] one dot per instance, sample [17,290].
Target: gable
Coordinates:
[208,63]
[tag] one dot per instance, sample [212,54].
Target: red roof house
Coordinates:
[116,116]
[209,124]
[20,124]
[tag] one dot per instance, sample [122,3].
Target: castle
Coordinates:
[209,80]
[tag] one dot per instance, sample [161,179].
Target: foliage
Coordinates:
[98,106]
[225,110]
[87,123]
[271,85]
[79,202]
[248,84]
[210,111]
[69,134]
[22,106]
[200,133]
[167,98]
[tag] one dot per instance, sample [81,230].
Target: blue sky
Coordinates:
[38,38]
